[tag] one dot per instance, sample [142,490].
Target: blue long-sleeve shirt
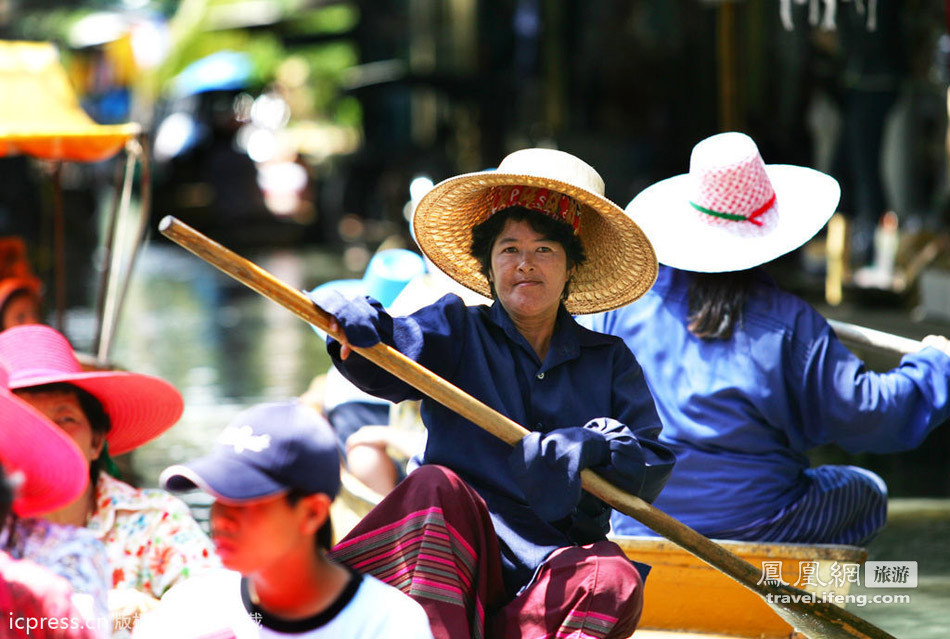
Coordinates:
[584,376]
[740,414]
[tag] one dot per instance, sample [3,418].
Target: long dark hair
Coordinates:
[716,301]
[484,235]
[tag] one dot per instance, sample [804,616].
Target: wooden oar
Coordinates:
[816,619]
[862,336]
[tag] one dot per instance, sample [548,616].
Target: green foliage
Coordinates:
[333,19]
[327,64]
[348,113]
[47,24]
[194,37]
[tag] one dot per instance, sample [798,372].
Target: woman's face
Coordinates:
[63,408]
[528,271]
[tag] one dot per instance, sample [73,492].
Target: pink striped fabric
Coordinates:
[433,538]
[443,553]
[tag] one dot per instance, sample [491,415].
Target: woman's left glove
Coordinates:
[548,466]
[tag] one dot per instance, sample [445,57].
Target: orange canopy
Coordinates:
[40,114]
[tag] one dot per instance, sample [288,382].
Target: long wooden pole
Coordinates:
[816,619]
[863,336]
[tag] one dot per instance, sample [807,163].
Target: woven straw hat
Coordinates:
[621,265]
[140,407]
[54,470]
[732,211]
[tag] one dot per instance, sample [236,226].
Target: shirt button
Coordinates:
[540,375]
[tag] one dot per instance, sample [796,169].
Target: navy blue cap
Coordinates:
[266,450]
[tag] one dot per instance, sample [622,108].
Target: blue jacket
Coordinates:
[585,377]
[740,414]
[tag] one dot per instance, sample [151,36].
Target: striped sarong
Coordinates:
[433,538]
[843,505]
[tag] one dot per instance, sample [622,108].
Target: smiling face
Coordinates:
[63,408]
[528,271]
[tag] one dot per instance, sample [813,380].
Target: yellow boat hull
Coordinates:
[683,594]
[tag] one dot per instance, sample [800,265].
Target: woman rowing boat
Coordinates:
[488,539]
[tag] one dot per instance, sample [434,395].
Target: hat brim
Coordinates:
[225,479]
[140,407]
[805,200]
[621,265]
[55,470]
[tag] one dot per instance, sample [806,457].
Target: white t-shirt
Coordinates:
[216,605]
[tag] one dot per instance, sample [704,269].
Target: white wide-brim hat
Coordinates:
[732,212]
[621,265]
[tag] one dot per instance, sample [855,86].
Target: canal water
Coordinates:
[225,348]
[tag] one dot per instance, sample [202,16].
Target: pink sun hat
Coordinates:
[140,407]
[732,211]
[54,470]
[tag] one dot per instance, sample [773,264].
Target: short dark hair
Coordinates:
[92,408]
[716,301]
[485,234]
[324,536]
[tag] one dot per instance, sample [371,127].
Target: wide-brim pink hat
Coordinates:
[140,407]
[732,211]
[54,470]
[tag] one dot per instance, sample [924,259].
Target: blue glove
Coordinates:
[626,466]
[547,466]
[359,318]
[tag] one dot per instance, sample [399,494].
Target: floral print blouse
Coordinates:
[151,539]
[70,552]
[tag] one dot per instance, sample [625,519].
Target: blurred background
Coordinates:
[294,130]
[298,133]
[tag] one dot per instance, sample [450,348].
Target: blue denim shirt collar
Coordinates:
[566,341]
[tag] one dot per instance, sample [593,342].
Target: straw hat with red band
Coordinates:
[140,407]
[621,265]
[732,211]
[54,469]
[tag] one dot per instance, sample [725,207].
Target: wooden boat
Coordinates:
[685,598]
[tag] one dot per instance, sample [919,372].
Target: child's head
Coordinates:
[19,302]
[274,472]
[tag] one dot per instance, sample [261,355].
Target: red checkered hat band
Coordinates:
[551,203]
